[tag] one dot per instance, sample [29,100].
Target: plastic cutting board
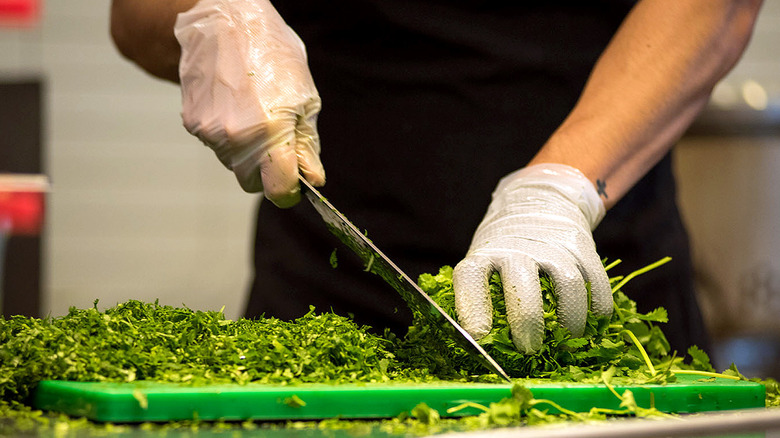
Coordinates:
[155,401]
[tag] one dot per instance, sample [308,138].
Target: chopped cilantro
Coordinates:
[334,261]
[148,341]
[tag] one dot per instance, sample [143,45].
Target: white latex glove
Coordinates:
[248,94]
[541,217]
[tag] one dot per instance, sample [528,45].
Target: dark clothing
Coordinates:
[426,105]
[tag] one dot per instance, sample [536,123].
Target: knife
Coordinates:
[378,263]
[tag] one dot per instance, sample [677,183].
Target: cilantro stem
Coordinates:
[462,406]
[616,279]
[607,411]
[611,389]
[641,271]
[535,402]
[706,373]
[641,350]
[612,265]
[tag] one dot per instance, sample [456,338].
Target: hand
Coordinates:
[248,94]
[541,217]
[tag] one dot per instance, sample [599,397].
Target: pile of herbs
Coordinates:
[148,341]
[631,342]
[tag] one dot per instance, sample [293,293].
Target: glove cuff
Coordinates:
[566,180]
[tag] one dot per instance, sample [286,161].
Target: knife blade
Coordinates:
[378,263]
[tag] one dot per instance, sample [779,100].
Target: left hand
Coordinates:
[541,217]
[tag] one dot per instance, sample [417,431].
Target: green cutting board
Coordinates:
[156,401]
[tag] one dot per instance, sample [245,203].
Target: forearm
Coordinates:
[142,31]
[648,86]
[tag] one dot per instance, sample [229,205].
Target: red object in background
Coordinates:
[22,204]
[21,213]
[15,13]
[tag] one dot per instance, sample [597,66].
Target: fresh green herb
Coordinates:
[143,401]
[334,261]
[631,342]
[370,263]
[141,341]
[294,402]
[772,392]
[699,359]
[138,341]
[425,414]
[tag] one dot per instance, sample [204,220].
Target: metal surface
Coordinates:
[737,424]
[379,264]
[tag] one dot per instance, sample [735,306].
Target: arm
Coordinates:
[648,86]
[142,31]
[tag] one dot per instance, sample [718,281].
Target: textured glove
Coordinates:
[541,217]
[248,94]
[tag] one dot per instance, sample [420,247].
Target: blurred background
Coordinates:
[139,209]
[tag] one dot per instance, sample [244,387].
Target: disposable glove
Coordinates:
[540,217]
[248,94]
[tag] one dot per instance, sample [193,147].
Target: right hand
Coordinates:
[247,93]
[541,218]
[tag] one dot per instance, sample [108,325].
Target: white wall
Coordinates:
[138,208]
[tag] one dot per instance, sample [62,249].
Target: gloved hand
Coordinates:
[248,94]
[541,217]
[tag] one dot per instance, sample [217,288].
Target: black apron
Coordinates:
[426,105]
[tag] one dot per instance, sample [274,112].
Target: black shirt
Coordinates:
[426,105]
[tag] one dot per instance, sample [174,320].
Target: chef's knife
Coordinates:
[378,263]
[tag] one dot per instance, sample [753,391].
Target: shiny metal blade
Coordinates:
[378,263]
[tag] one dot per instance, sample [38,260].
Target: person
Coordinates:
[561,110]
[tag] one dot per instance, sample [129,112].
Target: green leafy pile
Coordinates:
[630,341]
[147,341]
[142,341]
